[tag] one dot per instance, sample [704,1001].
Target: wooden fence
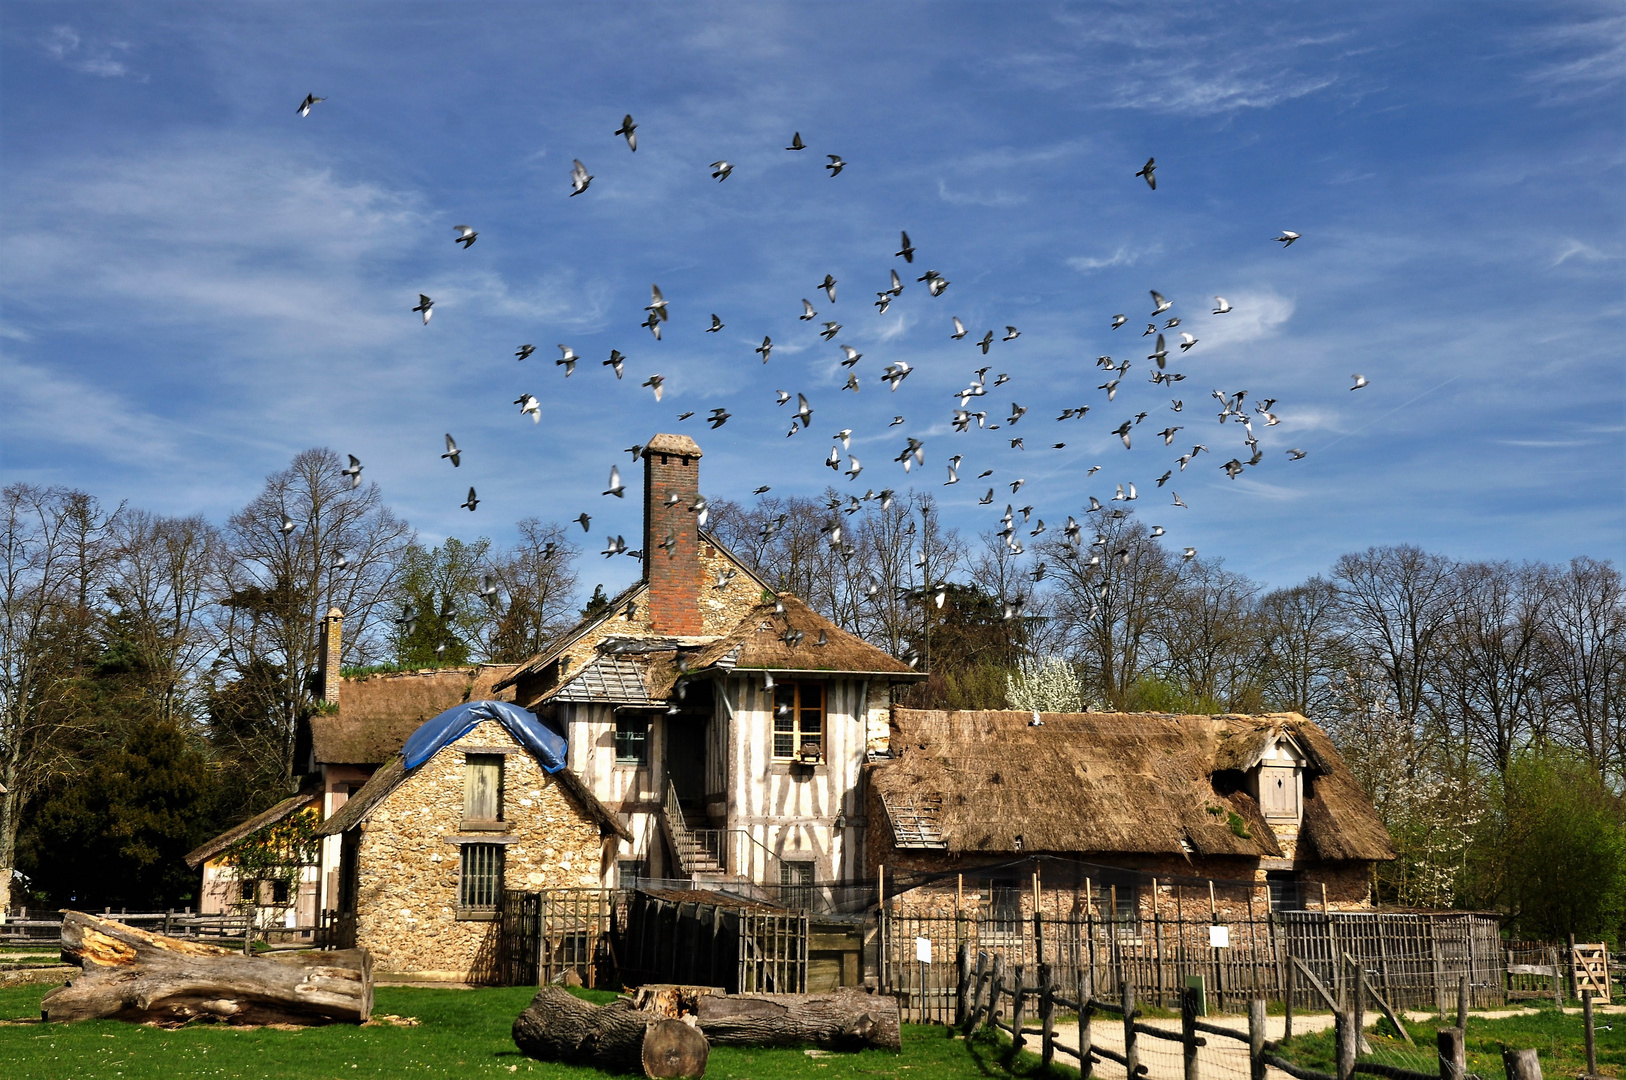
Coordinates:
[1414,960]
[45,929]
[548,935]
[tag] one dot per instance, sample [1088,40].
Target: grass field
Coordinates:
[463,1033]
[1558,1039]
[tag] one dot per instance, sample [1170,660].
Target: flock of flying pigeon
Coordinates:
[1234,407]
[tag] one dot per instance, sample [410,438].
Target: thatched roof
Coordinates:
[758,643]
[1112,783]
[394,771]
[378,712]
[309,795]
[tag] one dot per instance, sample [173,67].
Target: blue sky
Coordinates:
[198,283]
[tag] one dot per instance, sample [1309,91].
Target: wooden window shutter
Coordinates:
[482,787]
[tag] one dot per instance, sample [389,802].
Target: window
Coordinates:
[1279,792]
[1004,906]
[479,882]
[798,721]
[1286,891]
[279,892]
[629,872]
[482,787]
[249,891]
[796,885]
[632,740]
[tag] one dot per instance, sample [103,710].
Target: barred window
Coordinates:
[632,740]
[479,883]
[796,885]
[798,721]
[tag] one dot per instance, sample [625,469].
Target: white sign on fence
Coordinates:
[923,949]
[1219,937]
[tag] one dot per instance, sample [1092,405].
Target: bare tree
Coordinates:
[53,550]
[1303,648]
[1585,644]
[536,590]
[1209,639]
[1397,604]
[307,543]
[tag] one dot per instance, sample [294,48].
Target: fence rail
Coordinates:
[1412,960]
[47,931]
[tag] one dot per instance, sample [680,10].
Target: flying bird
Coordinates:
[471,502]
[720,170]
[935,282]
[1287,238]
[1360,381]
[1149,171]
[529,404]
[304,108]
[1191,553]
[425,305]
[656,383]
[716,325]
[524,352]
[1186,341]
[653,324]
[1119,320]
[616,361]
[765,348]
[906,252]
[657,302]
[1011,334]
[831,329]
[567,360]
[829,287]
[616,488]
[1177,500]
[804,411]
[959,329]
[1221,305]
[466,236]
[987,340]
[796,142]
[578,178]
[718,418]
[353,472]
[287,525]
[836,164]
[853,356]
[1295,454]
[807,311]
[584,521]
[453,452]
[1163,303]
[628,129]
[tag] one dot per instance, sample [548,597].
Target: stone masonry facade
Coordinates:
[408,860]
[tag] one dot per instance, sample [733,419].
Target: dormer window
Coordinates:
[1280,779]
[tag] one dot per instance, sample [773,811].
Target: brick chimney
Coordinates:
[328,666]
[672,466]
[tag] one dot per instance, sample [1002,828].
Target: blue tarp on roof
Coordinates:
[456,722]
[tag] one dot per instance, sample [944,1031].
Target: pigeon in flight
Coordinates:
[529,404]
[653,325]
[1360,381]
[807,311]
[1186,341]
[1119,320]
[796,142]
[720,170]
[567,360]
[682,416]
[425,305]
[656,383]
[804,411]
[853,356]
[524,352]
[1191,553]
[657,302]
[1149,171]
[1295,454]
[1160,354]
[763,490]
[584,521]
[718,418]
[896,420]
[831,329]
[1011,334]
[765,348]
[1177,500]
[453,452]
[353,472]
[896,288]
[578,178]
[616,488]
[616,361]
[935,282]
[829,287]
[1221,305]
[471,502]
[466,236]
[613,546]
[907,251]
[1163,303]
[628,129]
[304,108]
[959,329]
[852,382]
[836,164]
[883,300]
[1287,238]
[716,325]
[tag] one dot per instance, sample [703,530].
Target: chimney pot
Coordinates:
[672,569]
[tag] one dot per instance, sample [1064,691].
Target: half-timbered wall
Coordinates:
[633,791]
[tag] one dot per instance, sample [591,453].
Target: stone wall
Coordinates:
[408,864]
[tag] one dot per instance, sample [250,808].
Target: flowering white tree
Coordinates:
[1046,685]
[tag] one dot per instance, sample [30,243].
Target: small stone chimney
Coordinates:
[328,666]
[672,534]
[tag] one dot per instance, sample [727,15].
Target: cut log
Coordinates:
[130,974]
[558,1026]
[845,1019]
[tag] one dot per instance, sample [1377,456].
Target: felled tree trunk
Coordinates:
[130,974]
[845,1019]
[558,1026]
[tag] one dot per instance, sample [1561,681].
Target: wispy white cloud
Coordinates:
[978,198]
[64,45]
[1122,256]
[1580,58]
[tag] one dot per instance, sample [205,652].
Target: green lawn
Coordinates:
[459,1033]
[1558,1039]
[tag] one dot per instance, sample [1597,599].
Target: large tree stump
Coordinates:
[130,974]
[558,1026]
[845,1019]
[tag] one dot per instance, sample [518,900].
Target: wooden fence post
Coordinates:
[1047,1018]
[1463,999]
[1569,970]
[1131,1055]
[962,979]
[1591,1034]
[1521,1064]
[1453,1054]
[1558,979]
[995,985]
[972,1008]
[1188,1031]
[1256,1038]
[1018,1007]
[1086,1009]
[1347,1040]
[1287,996]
